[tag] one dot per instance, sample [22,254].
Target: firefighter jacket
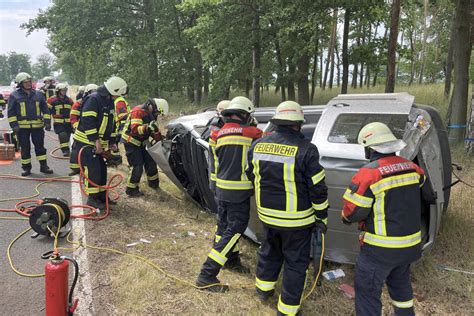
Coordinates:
[290,191]
[76,113]
[136,130]
[97,119]
[2,102]
[215,124]
[48,92]
[385,198]
[60,108]
[28,110]
[121,111]
[233,141]
[79,96]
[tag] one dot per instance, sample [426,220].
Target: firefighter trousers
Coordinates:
[37,137]
[290,248]
[237,216]
[221,226]
[138,159]
[94,169]
[73,162]
[370,277]
[63,130]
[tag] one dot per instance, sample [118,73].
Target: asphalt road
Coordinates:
[20,295]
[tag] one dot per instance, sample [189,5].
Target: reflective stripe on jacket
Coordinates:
[385,197]
[136,130]
[121,112]
[215,124]
[232,143]
[27,110]
[290,191]
[97,119]
[60,108]
[76,113]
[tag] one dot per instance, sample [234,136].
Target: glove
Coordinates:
[47,127]
[16,129]
[157,136]
[153,127]
[345,221]
[319,224]
[253,122]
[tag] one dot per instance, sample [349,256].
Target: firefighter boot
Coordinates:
[265,295]
[236,266]
[66,152]
[133,192]
[95,202]
[26,172]
[44,167]
[154,184]
[211,284]
[103,197]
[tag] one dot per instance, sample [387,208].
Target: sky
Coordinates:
[12,38]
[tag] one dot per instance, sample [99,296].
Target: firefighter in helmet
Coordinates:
[28,114]
[233,190]
[385,198]
[75,115]
[2,105]
[141,124]
[49,87]
[60,108]
[96,131]
[291,198]
[80,92]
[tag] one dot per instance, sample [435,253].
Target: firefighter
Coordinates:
[60,107]
[96,130]
[28,114]
[233,189]
[139,127]
[384,198]
[122,109]
[48,89]
[80,92]
[291,198]
[75,115]
[2,105]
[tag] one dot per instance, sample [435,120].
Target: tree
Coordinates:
[18,63]
[392,44]
[345,57]
[43,66]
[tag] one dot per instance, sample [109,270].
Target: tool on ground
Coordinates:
[318,254]
[49,216]
[58,301]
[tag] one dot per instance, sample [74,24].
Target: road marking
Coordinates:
[84,294]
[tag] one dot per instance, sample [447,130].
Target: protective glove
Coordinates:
[253,122]
[157,136]
[47,127]
[16,129]
[319,224]
[345,221]
[153,127]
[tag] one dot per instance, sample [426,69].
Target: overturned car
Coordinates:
[333,128]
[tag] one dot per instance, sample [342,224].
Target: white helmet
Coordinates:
[90,87]
[81,88]
[288,112]
[61,86]
[380,138]
[224,104]
[161,105]
[22,76]
[116,86]
[239,104]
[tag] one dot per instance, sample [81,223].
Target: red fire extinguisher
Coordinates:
[58,302]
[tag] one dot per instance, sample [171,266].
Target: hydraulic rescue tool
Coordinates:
[317,245]
[49,217]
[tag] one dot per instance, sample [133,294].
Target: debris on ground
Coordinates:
[334,274]
[348,290]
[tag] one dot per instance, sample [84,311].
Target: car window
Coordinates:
[347,126]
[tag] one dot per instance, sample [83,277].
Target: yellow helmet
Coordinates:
[288,112]
[224,104]
[239,104]
[22,76]
[380,138]
[116,86]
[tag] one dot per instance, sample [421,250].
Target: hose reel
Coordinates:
[47,217]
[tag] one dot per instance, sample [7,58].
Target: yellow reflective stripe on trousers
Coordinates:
[357,199]
[23,109]
[318,177]
[217,257]
[287,309]
[392,241]
[230,244]
[154,177]
[395,181]
[406,304]
[265,285]
[379,215]
[129,177]
[41,157]
[234,184]
[25,161]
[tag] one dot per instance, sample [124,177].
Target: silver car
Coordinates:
[333,128]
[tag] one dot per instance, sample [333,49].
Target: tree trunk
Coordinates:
[423,47]
[412,58]
[449,63]
[153,78]
[462,55]
[392,46]
[256,51]
[355,72]
[330,56]
[315,65]
[198,80]
[345,59]
[321,67]
[206,82]
[281,65]
[303,84]
[338,68]
[247,88]
[291,83]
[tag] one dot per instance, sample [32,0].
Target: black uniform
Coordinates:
[96,122]
[291,196]
[60,108]
[29,114]
[48,92]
